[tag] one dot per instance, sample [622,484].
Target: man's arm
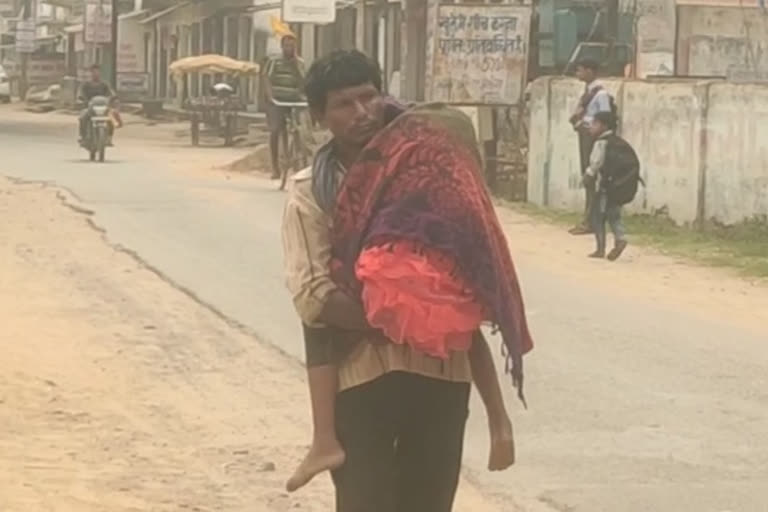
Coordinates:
[340,310]
[307,255]
[268,80]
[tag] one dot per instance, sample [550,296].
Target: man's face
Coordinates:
[289,47]
[584,74]
[95,75]
[354,115]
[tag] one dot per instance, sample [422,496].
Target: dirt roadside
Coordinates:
[120,393]
[676,283]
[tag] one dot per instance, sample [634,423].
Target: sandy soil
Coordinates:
[120,393]
[674,283]
[127,395]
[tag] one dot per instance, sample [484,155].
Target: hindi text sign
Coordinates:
[25,35]
[98,21]
[480,54]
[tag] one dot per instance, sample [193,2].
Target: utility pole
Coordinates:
[612,20]
[611,29]
[24,56]
[114,46]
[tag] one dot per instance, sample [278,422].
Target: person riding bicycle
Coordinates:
[89,90]
[284,83]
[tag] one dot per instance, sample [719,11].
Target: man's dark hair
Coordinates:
[606,118]
[95,67]
[338,70]
[590,64]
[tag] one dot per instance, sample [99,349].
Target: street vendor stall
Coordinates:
[218,109]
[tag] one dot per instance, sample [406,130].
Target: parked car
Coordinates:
[5,87]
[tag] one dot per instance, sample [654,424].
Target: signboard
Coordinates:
[41,69]
[7,8]
[309,11]
[25,36]
[128,58]
[98,21]
[133,83]
[480,54]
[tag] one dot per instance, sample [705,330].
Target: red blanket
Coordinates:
[420,180]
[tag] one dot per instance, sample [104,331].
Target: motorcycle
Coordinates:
[98,128]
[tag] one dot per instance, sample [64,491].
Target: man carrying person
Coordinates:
[284,83]
[399,413]
[595,99]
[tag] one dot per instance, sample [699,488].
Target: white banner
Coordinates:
[25,36]
[309,11]
[479,54]
[98,21]
[133,83]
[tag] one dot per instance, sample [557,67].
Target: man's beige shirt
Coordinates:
[307,254]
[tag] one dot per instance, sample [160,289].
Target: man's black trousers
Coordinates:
[403,435]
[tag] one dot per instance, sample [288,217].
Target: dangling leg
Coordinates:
[326,453]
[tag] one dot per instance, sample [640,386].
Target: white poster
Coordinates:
[25,36]
[133,83]
[98,21]
[480,54]
[309,11]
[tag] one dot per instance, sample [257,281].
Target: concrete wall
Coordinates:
[736,152]
[721,40]
[701,147]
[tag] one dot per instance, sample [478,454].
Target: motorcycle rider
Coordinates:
[89,90]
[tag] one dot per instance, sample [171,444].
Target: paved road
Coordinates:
[637,404]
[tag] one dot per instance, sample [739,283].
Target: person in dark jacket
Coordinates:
[89,90]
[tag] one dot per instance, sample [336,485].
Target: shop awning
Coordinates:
[134,14]
[164,12]
[74,29]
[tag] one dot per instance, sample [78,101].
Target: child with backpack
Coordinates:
[614,171]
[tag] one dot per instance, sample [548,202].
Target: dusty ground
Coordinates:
[673,283]
[120,393]
[643,369]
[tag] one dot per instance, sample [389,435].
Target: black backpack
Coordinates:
[621,171]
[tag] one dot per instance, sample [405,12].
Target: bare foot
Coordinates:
[318,460]
[502,446]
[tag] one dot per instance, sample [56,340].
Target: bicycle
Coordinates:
[296,154]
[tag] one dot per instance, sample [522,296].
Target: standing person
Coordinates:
[285,83]
[614,170]
[400,409]
[595,99]
[89,90]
